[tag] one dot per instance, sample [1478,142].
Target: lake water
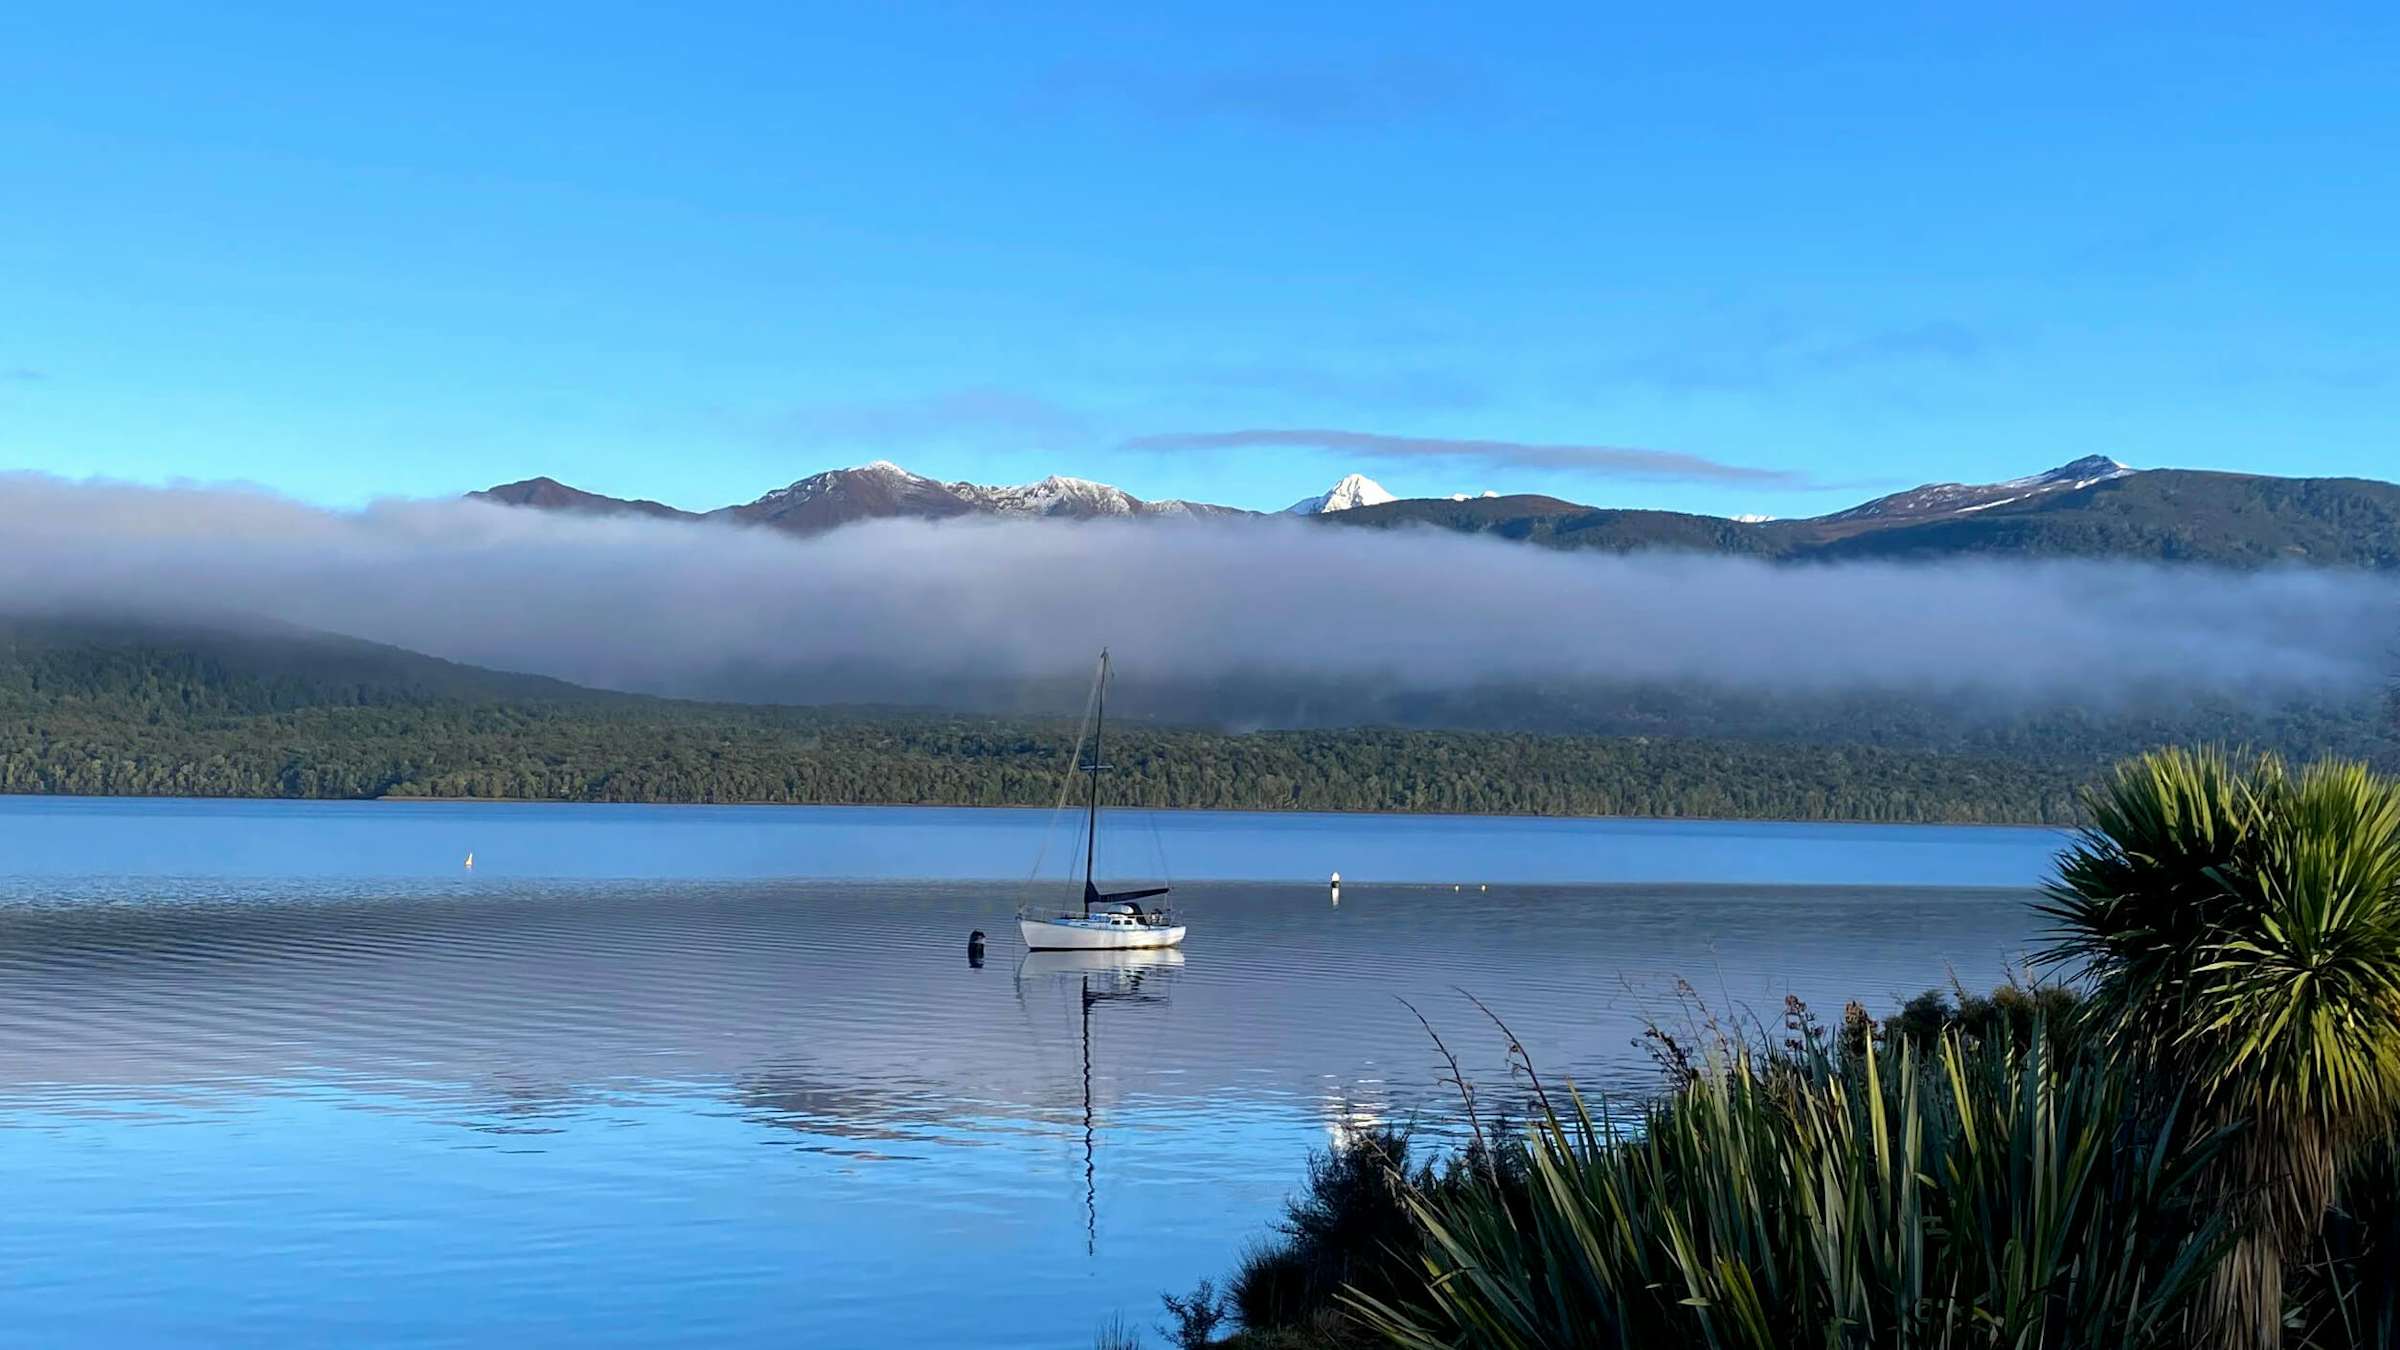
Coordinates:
[683,1075]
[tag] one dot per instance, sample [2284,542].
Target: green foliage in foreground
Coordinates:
[122,716]
[1980,1190]
[2239,927]
[2196,1144]
[1970,1198]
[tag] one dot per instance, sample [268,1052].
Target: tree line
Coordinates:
[114,713]
[681,753]
[122,718]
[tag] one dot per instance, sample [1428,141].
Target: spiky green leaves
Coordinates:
[2239,928]
[1982,1198]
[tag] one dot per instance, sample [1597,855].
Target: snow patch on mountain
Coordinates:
[2081,473]
[882,489]
[880,471]
[1935,499]
[1056,495]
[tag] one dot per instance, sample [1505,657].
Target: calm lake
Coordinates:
[291,1072]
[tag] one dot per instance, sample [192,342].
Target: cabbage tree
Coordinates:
[2238,927]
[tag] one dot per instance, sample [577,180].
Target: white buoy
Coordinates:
[1336,888]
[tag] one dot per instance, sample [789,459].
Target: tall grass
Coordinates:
[1951,1177]
[1980,1197]
[2194,1144]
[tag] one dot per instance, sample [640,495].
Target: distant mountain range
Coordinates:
[876,491]
[2091,507]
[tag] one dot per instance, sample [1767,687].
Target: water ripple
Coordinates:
[642,1112]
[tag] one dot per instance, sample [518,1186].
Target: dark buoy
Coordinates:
[975,949]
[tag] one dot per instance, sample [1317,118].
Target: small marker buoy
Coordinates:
[975,948]
[1483,888]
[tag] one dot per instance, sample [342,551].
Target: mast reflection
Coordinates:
[1135,977]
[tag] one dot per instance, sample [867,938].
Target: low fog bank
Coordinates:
[1279,616]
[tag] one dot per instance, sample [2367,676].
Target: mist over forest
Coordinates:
[1241,624]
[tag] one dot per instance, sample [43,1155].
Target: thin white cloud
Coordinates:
[1611,460]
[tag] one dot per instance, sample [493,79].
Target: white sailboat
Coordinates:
[1109,920]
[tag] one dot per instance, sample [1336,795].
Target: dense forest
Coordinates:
[105,712]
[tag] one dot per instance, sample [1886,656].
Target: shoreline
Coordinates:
[6,795]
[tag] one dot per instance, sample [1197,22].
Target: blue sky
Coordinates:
[1760,258]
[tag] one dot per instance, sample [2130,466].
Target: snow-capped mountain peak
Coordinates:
[1353,491]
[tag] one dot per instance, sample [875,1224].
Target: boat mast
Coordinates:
[1091,828]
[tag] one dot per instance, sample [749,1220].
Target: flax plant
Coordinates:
[1974,1197]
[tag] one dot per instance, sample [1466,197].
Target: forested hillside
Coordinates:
[113,712]
[2162,515]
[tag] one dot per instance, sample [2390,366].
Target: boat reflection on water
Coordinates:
[1131,977]
[1123,969]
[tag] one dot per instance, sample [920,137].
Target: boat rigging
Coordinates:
[1109,920]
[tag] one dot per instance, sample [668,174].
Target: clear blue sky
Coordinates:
[695,252]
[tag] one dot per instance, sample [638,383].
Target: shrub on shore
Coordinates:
[2191,1144]
[1977,1194]
[1379,1249]
[1970,1197]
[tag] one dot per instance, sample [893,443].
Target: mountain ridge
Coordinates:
[881,489]
[2079,510]
[2092,506]
[545,493]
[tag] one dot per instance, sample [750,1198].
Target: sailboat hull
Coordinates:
[1091,935]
